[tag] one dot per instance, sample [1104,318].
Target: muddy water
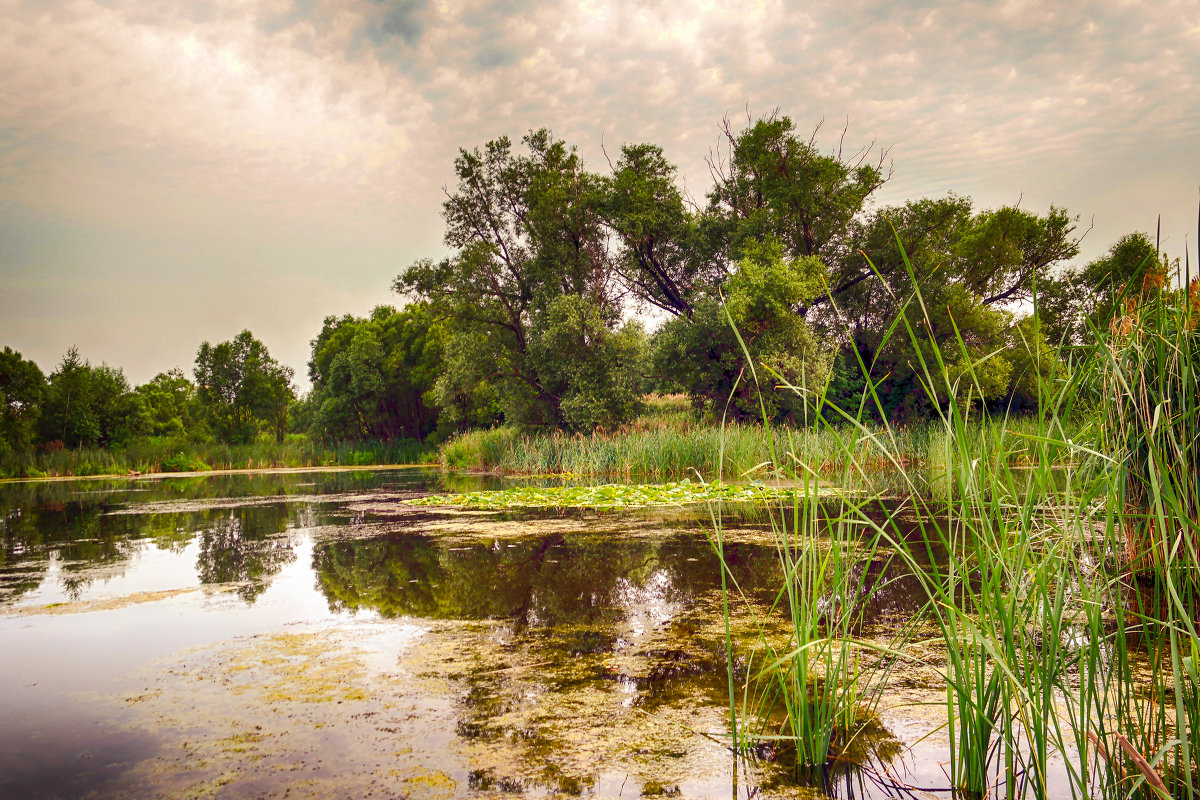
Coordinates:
[303,635]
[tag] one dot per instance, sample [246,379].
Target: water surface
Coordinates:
[302,634]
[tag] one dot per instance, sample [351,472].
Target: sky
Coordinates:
[174,171]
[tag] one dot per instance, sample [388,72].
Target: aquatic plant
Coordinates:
[1066,595]
[615,495]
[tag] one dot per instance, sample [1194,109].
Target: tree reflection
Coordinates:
[245,548]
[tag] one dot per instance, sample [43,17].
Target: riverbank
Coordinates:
[176,455]
[687,448]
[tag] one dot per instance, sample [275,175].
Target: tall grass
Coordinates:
[178,454]
[732,451]
[1064,594]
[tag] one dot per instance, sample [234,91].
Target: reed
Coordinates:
[733,451]
[178,454]
[1066,588]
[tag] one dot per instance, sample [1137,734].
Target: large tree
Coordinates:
[526,230]
[88,406]
[243,389]
[663,257]
[773,184]
[961,279]
[760,300]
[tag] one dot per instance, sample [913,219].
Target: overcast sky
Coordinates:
[173,172]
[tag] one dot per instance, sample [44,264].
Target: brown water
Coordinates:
[302,635]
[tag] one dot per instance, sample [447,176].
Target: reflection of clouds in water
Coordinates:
[646,607]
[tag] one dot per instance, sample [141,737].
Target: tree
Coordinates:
[22,387]
[243,390]
[88,406]
[662,258]
[958,277]
[760,299]
[171,404]
[775,185]
[527,230]
[372,377]
[592,369]
[1075,300]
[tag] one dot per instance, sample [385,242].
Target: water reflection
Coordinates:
[91,529]
[566,645]
[244,548]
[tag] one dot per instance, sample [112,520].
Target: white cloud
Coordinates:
[330,126]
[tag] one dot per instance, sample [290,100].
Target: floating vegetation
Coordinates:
[614,495]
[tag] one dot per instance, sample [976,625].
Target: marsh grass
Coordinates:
[1066,591]
[178,454]
[734,451]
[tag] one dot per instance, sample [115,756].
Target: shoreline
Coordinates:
[212,472]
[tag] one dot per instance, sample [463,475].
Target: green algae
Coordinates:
[103,604]
[614,496]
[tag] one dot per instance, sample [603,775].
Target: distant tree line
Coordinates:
[534,317]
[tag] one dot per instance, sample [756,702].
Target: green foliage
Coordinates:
[242,389]
[762,295]
[1079,301]
[588,367]
[22,386]
[957,276]
[372,377]
[531,271]
[1151,373]
[184,462]
[776,185]
[171,404]
[664,258]
[88,406]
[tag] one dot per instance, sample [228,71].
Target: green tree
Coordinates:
[1074,301]
[22,386]
[773,184]
[171,403]
[527,230]
[761,299]
[593,370]
[242,389]
[663,257]
[960,280]
[372,377]
[87,406]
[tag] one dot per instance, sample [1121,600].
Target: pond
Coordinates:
[309,635]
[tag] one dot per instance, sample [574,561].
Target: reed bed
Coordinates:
[1063,598]
[172,454]
[731,452]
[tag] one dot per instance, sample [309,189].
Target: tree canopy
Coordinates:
[242,389]
[372,376]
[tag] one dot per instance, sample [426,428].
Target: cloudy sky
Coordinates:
[173,171]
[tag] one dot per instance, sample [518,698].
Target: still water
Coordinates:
[304,635]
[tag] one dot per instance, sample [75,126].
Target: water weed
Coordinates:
[613,495]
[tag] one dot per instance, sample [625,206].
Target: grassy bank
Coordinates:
[679,447]
[172,454]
